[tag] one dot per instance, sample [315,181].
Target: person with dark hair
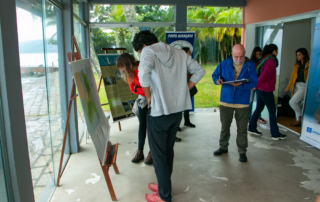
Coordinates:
[255,56]
[297,83]
[129,73]
[143,39]
[235,98]
[163,77]
[266,69]
[193,91]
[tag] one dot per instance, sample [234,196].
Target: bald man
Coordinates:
[235,98]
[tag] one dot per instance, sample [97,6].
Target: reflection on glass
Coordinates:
[272,34]
[79,34]
[41,69]
[131,13]
[216,15]
[212,45]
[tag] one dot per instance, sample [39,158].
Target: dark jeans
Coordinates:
[142,116]
[250,105]
[241,116]
[265,99]
[162,131]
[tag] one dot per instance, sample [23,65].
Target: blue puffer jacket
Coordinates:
[240,94]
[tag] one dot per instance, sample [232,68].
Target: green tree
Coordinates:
[203,15]
[230,16]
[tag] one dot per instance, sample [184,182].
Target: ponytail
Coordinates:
[268,49]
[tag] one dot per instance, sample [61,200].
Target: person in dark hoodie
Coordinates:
[266,69]
[235,98]
[163,77]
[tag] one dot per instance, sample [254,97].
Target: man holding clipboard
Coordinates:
[237,77]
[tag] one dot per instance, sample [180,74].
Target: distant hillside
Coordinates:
[36,46]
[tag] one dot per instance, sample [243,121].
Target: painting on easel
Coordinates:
[96,120]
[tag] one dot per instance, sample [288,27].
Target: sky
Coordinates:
[30,26]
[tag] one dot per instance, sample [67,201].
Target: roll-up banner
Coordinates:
[180,40]
[311,120]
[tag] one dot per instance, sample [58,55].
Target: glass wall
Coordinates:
[212,45]
[105,37]
[43,83]
[79,33]
[131,13]
[217,15]
[3,177]
[271,34]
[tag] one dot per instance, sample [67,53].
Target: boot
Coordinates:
[187,119]
[149,160]
[297,123]
[138,157]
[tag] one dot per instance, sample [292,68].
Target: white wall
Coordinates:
[296,34]
[250,39]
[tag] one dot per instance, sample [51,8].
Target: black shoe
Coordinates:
[189,124]
[219,152]
[256,132]
[243,158]
[179,129]
[177,139]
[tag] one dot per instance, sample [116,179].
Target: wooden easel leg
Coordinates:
[119,124]
[116,170]
[100,82]
[108,180]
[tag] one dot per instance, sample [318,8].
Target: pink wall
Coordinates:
[263,10]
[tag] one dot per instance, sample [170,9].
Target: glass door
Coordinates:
[271,34]
[43,86]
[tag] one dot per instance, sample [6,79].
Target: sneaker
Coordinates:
[281,137]
[149,160]
[153,187]
[189,124]
[138,157]
[177,139]
[261,120]
[256,132]
[219,152]
[153,197]
[243,158]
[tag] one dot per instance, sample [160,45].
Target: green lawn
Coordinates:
[208,94]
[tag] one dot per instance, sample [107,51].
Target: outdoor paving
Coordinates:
[44,131]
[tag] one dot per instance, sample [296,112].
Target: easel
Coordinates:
[112,150]
[106,52]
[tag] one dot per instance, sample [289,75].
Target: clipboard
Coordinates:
[236,81]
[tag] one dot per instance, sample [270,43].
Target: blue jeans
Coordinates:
[265,99]
[253,92]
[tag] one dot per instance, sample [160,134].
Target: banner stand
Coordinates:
[100,81]
[112,150]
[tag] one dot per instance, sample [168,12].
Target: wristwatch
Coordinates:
[135,88]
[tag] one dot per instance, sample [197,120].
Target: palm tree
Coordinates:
[203,15]
[230,16]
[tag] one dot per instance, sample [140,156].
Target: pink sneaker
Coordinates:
[153,198]
[153,187]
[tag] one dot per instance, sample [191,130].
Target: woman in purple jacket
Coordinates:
[266,69]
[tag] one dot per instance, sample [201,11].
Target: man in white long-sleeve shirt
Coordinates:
[163,77]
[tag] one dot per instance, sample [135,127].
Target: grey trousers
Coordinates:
[241,116]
